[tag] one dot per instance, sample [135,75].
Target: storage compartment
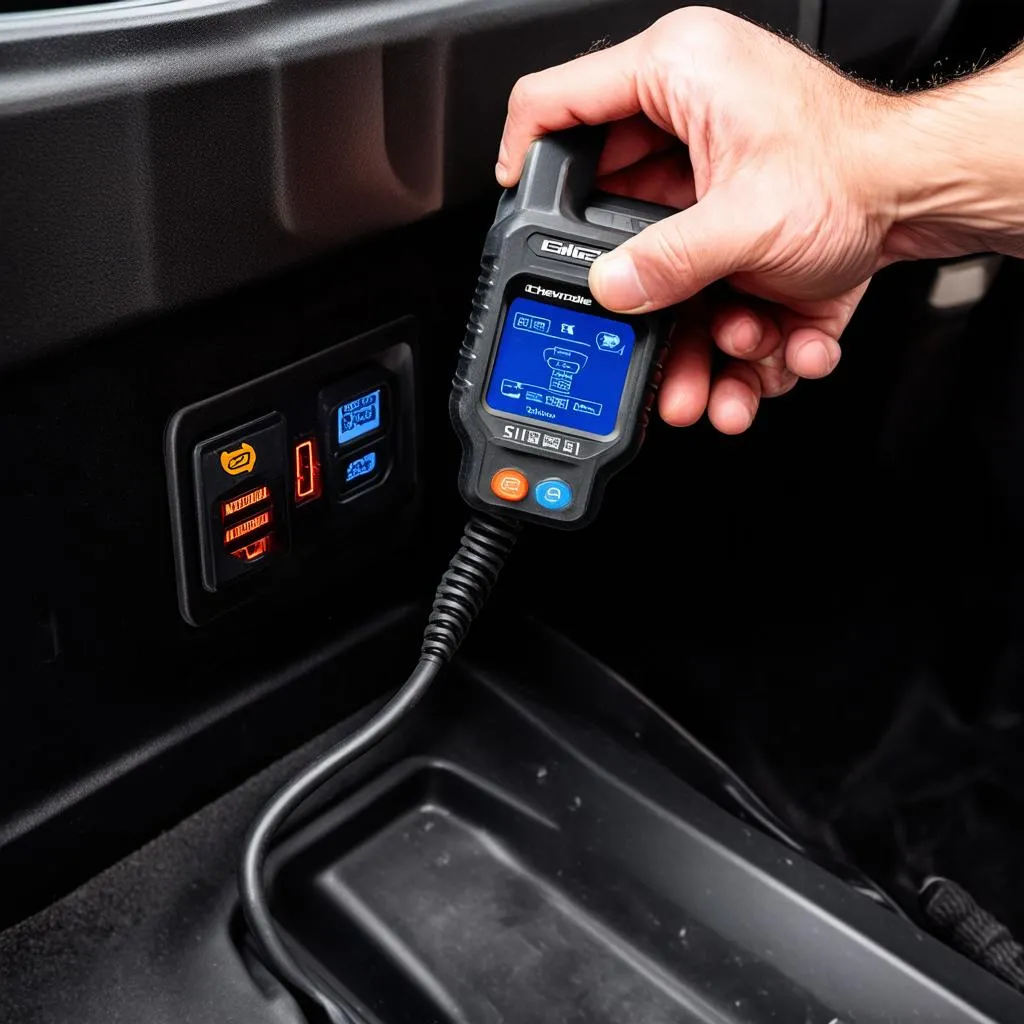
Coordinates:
[439,878]
[542,860]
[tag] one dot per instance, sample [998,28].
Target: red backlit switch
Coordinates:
[307,481]
[251,552]
[253,524]
[250,499]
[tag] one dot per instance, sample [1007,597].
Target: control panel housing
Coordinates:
[272,478]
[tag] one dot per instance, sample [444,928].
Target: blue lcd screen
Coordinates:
[359,416]
[365,465]
[560,366]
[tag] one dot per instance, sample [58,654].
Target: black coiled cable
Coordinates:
[465,585]
[461,594]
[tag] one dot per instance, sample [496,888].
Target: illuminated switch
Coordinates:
[250,499]
[362,468]
[254,550]
[357,411]
[306,483]
[359,416]
[258,523]
[243,481]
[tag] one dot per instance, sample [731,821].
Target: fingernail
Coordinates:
[501,167]
[835,353]
[744,416]
[819,357]
[616,284]
[735,417]
[675,405]
[746,336]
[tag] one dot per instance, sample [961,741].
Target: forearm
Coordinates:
[958,157]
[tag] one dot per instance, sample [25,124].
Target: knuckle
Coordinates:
[669,262]
[686,52]
[523,95]
[699,27]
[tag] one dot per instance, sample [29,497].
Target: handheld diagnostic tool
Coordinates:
[552,392]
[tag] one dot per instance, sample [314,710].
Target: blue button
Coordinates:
[553,494]
[365,465]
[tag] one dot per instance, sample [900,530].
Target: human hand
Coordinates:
[777,162]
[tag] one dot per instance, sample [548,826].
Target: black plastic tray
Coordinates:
[540,860]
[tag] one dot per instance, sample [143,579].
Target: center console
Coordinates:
[534,851]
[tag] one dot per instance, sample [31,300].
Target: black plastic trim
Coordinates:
[109,811]
[164,152]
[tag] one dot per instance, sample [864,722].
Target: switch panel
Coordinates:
[295,474]
[243,512]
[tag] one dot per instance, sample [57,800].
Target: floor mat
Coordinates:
[936,794]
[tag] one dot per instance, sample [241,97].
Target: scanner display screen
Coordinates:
[560,366]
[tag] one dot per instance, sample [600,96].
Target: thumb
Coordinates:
[673,259]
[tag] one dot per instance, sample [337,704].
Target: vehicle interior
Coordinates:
[683,769]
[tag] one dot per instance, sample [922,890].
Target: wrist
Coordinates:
[953,162]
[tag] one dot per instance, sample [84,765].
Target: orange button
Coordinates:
[510,485]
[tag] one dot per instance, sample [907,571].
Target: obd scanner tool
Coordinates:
[552,392]
[550,399]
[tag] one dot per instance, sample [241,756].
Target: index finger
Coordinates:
[592,89]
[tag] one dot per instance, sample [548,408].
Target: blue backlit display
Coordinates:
[359,416]
[560,366]
[365,465]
